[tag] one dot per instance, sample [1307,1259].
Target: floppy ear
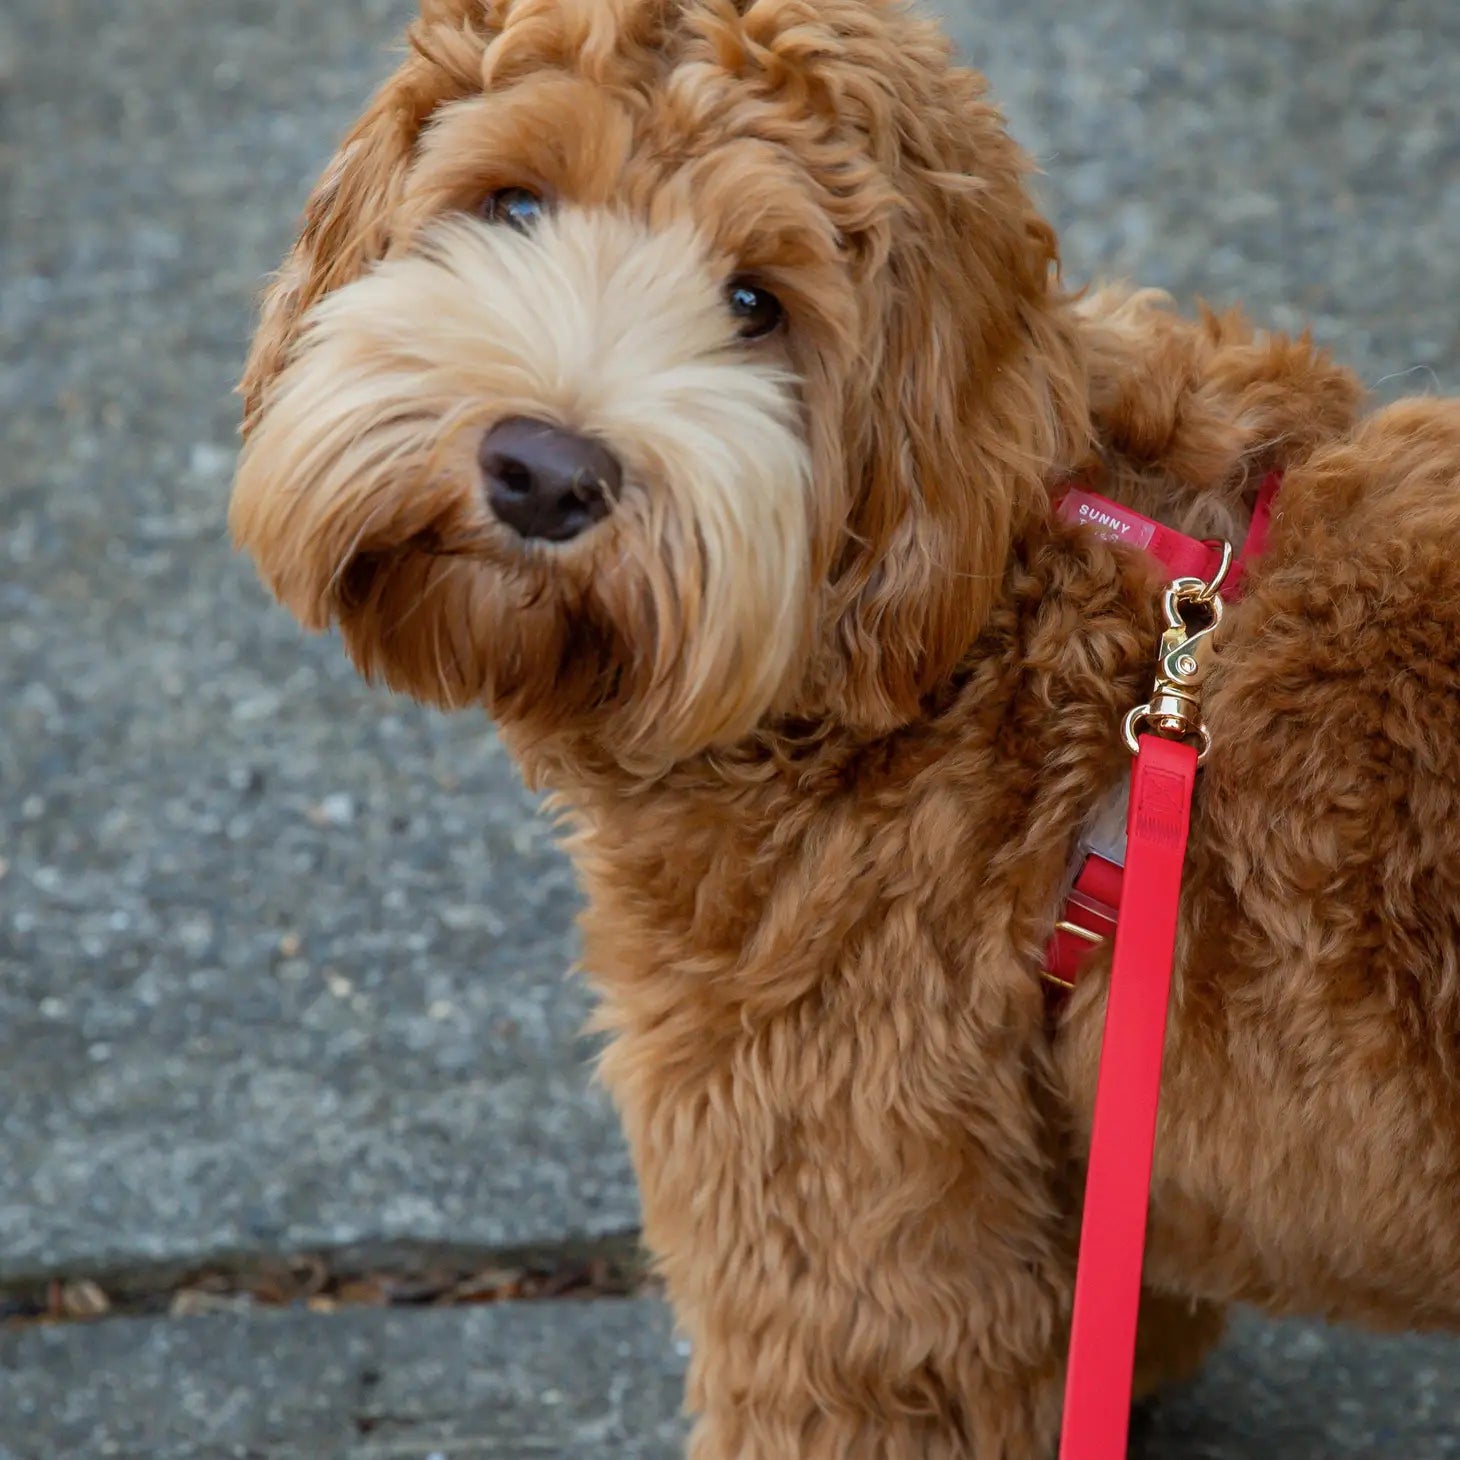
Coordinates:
[971,399]
[347,221]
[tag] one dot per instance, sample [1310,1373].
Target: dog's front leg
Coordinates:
[1008,1425]
[872,1324]
[859,1235]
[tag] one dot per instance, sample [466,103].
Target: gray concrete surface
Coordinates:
[596,1380]
[1301,157]
[189,787]
[601,1381]
[281,960]
[1292,1391]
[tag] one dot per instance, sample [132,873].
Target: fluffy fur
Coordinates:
[826,699]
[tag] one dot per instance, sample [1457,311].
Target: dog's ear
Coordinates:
[971,397]
[347,221]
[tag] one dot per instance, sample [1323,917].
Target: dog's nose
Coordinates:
[545,482]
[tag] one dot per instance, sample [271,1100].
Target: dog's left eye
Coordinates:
[517,207]
[758,310]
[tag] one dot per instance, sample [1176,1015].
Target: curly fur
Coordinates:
[825,701]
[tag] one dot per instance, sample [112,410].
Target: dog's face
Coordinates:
[650,369]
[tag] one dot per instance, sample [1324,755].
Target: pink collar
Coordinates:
[1089,916]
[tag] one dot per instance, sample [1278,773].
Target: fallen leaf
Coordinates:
[83,1299]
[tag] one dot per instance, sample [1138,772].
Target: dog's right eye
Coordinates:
[759,311]
[518,208]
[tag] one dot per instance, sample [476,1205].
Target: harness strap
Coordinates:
[1090,916]
[1181,556]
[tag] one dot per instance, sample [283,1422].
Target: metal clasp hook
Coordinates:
[1193,612]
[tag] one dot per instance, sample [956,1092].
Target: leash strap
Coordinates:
[1147,895]
[1117,1193]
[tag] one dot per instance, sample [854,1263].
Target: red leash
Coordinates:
[1117,1193]
[1113,1236]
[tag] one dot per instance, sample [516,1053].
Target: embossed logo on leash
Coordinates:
[1106,518]
[1161,811]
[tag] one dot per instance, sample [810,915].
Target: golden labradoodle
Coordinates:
[686,382]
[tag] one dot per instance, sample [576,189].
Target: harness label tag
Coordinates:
[1110,520]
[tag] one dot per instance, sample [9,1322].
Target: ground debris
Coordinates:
[327,1283]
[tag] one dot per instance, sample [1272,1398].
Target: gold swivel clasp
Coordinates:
[1193,611]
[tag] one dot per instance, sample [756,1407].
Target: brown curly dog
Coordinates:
[686,382]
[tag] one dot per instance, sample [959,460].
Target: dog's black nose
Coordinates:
[545,482]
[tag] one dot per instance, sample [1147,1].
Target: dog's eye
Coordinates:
[757,309]
[517,207]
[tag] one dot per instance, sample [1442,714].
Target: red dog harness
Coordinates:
[1089,916]
[1141,879]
